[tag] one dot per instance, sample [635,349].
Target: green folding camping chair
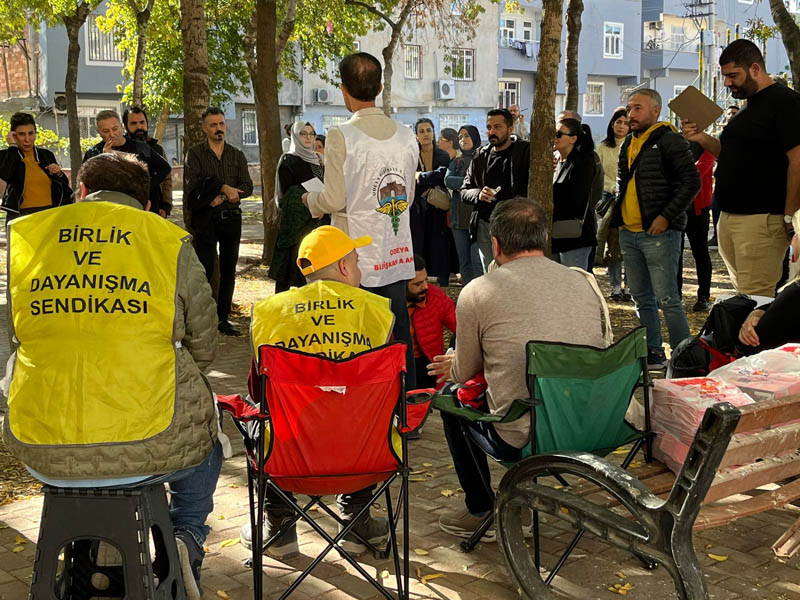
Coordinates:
[580,395]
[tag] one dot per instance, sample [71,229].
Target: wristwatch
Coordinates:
[787,219]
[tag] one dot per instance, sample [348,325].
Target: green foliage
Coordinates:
[163,67]
[47,138]
[756,29]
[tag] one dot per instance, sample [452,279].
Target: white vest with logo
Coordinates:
[379,180]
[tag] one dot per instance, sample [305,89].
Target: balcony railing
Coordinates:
[672,45]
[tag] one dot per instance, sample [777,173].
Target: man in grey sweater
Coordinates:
[528,298]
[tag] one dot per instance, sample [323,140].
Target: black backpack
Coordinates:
[717,344]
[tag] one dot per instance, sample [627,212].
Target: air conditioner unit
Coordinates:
[60,103]
[444,89]
[656,25]
[322,95]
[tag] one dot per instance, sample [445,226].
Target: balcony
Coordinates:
[518,55]
[670,54]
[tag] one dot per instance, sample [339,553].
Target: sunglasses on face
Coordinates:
[560,134]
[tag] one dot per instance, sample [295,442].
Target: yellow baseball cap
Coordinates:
[324,246]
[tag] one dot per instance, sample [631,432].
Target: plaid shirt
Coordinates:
[201,162]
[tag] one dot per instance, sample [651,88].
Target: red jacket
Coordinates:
[705,165]
[439,310]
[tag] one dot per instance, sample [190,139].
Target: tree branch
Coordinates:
[373,10]
[287,29]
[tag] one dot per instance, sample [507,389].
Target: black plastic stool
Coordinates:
[76,521]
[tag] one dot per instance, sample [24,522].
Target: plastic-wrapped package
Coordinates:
[766,375]
[670,451]
[679,404]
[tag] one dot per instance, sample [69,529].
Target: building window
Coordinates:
[100,46]
[249,128]
[413,63]
[329,121]
[678,90]
[561,103]
[527,31]
[593,99]
[86,115]
[612,40]
[507,30]
[509,93]
[456,121]
[677,37]
[462,66]
[357,46]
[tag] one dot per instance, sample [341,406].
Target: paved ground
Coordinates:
[749,570]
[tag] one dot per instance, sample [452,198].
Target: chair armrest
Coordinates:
[449,404]
[418,403]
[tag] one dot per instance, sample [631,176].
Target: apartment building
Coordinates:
[608,63]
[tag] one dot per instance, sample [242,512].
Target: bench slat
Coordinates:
[763,414]
[714,516]
[748,477]
[744,449]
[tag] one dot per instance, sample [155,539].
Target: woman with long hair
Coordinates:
[573,220]
[429,231]
[608,150]
[297,166]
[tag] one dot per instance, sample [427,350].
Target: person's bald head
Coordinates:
[568,114]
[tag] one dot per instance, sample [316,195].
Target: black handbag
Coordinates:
[606,202]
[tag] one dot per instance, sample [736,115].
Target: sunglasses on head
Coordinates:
[560,134]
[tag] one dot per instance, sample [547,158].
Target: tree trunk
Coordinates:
[73,23]
[388,54]
[142,18]
[195,70]
[574,12]
[790,34]
[265,90]
[540,180]
[161,124]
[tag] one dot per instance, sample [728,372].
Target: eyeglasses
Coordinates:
[560,134]
[307,134]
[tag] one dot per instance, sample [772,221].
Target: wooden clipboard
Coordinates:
[692,105]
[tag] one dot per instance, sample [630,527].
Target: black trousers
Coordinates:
[227,233]
[697,232]
[396,293]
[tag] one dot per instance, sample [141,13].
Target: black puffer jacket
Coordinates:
[666,179]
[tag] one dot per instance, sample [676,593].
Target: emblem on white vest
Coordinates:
[392,195]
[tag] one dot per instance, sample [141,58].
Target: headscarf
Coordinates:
[476,139]
[296,147]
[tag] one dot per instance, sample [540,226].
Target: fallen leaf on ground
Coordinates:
[427,464]
[421,552]
[620,574]
[718,557]
[448,493]
[426,578]
[384,574]
[21,540]
[419,573]
[229,542]
[565,510]
[416,479]
[222,594]
[420,472]
[220,517]
[234,485]
[620,451]
[18,548]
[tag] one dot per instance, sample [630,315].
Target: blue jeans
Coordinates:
[579,257]
[192,494]
[191,491]
[615,274]
[651,267]
[464,250]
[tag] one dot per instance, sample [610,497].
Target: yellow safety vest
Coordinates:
[328,318]
[93,293]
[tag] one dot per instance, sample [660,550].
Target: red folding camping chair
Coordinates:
[330,428]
